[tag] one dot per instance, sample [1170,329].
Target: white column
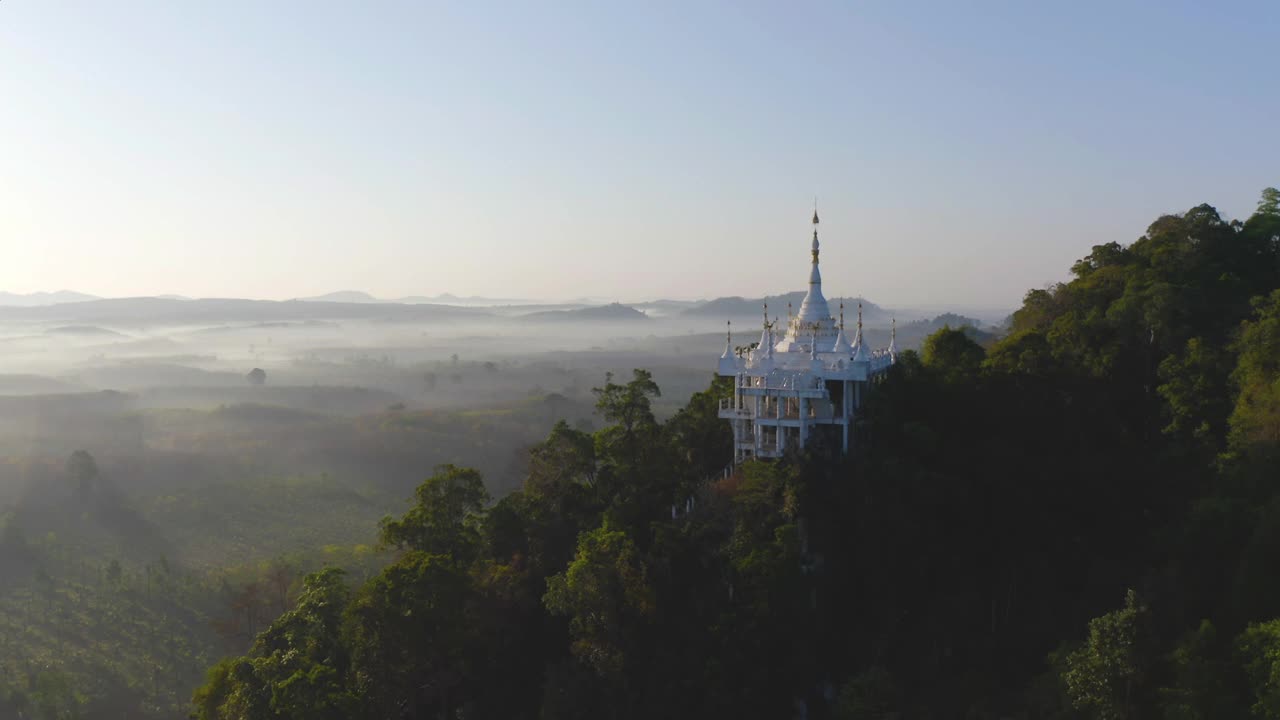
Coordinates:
[844,414]
[779,434]
[752,425]
[736,453]
[804,421]
[738,429]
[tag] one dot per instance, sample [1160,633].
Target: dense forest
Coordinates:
[1080,519]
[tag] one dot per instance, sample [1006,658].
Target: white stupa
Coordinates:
[815,376]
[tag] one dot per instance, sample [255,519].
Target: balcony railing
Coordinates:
[727,408]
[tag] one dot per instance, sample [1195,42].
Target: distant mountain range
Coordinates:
[76,309]
[343,296]
[736,307]
[84,318]
[37,299]
[153,310]
[359,296]
[609,313]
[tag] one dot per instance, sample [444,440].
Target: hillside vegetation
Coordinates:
[1077,521]
[126,573]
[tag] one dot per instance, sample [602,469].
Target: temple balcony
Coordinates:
[729,411]
[794,421]
[762,390]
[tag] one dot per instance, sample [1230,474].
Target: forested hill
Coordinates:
[1081,520]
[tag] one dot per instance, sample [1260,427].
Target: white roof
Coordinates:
[842,345]
[813,345]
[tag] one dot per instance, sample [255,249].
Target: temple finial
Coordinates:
[814,246]
[859,317]
[842,314]
[766,314]
[728,364]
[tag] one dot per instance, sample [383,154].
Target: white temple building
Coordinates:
[813,379]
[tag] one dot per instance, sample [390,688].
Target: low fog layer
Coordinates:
[288,388]
[178,353]
[225,446]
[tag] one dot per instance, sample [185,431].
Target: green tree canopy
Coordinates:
[605,594]
[445,517]
[952,352]
[1106,677]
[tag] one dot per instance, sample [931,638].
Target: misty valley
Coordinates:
[639,361]
[234,510]
[161,504]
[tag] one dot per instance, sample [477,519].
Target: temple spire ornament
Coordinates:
[815,233]
[857,336]
[729,360]
[813,308]
[841,345]
[860,354]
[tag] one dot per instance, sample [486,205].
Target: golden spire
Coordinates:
[814,246]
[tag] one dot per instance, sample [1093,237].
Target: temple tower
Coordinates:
[812,379]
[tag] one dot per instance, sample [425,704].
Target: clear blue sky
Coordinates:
[961,152]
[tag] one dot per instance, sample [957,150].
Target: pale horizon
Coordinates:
[486,301]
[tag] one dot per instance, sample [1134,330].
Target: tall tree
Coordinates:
[445,517]
[606,596]
[1107,677]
